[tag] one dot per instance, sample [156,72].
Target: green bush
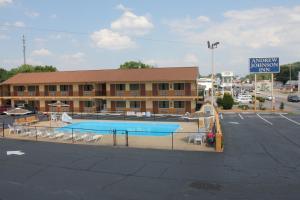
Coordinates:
[261,99]
[219,102]
[227,101]
[281,107]
[243,107]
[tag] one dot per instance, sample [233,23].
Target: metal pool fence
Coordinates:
[137,139]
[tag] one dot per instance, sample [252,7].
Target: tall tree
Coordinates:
[285,71]
[4,74]
[134,65]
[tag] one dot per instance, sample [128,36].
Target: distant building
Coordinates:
[205,84]
[227,82]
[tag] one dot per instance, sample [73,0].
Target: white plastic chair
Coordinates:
[13,129]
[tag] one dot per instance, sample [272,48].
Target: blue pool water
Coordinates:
[133,128]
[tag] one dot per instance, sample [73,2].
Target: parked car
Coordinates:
[269,98]
[293,98]
[3,109]
[244,99]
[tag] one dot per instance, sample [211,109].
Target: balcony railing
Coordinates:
[179,92]
[88,93]
[32,93]
[20,93]
[51,93]
[64,93]
[163,92]
[120,93]
[134,93]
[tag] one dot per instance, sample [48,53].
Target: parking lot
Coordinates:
[261,160]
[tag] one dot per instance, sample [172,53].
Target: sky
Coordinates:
[90,34]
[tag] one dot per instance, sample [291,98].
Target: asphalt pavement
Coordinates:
[261,160]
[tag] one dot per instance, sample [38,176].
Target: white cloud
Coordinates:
[5,2]
[32,14]
[75,58]
[41,52]
[122,7]
[130,23]
[253,28]
[259,32]
[108,39]
[19,24]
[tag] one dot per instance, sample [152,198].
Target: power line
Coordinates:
[88,34]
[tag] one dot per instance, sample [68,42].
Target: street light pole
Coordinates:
[212,47]
[290,72]
[212,76]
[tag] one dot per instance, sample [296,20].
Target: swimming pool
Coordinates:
[133,128]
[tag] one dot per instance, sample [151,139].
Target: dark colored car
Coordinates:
[293,98]
[3,109]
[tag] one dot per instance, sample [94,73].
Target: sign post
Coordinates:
[255,92]
[264,65]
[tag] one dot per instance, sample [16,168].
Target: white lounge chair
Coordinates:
[69,136]
[94,138]
[57,135]
[81,137]
[48,133]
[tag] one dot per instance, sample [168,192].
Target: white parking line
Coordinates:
[241,116]
[264,119]
[290,119]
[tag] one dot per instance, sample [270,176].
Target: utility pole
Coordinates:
[24,50]
[212,47]
[290,72]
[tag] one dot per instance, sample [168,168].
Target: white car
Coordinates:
[269,98]
[244,99]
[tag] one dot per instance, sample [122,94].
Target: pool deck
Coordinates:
[180,138]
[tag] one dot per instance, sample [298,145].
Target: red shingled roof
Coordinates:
[107,75]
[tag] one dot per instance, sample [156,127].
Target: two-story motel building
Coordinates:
[156,90]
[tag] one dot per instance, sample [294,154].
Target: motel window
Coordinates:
[20,88]
[88,104]
[178,86]
[52,88]
[121,104]
[32,88]
[88,87]
[134,86]
[135,104]
[64,88]
[163,86]
[120,87]
[164,104]
[178,104]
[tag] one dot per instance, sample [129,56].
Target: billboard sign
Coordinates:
[264,65]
